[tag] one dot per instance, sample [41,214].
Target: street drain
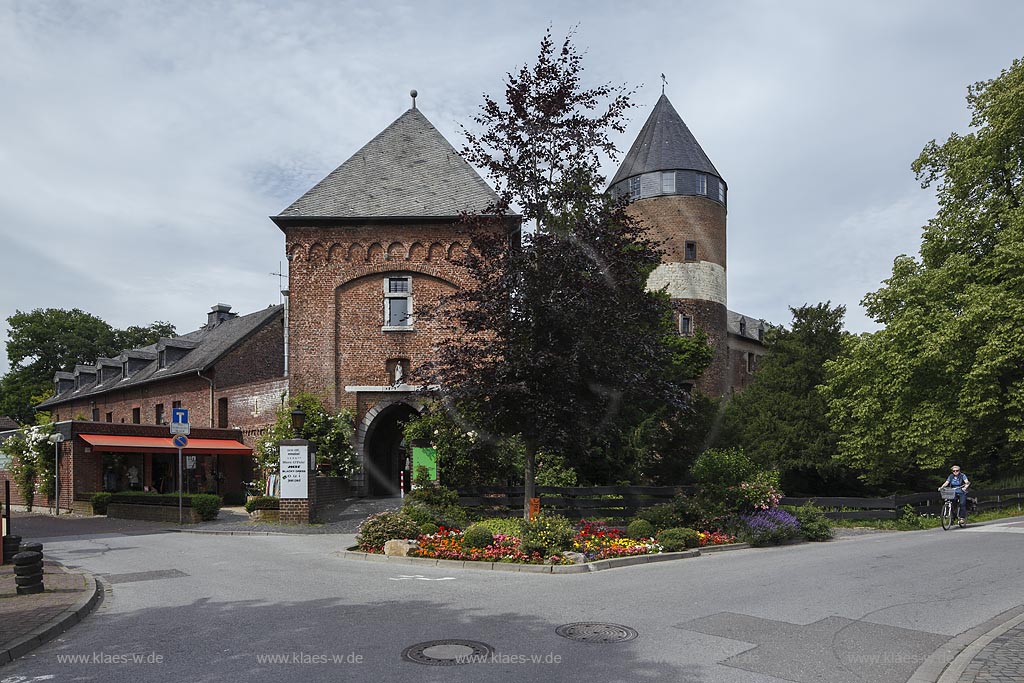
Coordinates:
[448,652]
[596,632]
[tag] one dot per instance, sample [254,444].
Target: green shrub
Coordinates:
[428,528]
[506,526]
[99,502]
[206,505]
[722,468]
[640,528]
[378,529]
[234,498]
[262,503]
[547,534]
[814,525]
[909,519]
[662,516]
[477,536]
[678,539]
[434,505]
[433,495]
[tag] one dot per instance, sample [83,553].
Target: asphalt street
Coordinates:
[285,608]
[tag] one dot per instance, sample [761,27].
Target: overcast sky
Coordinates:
[144,144]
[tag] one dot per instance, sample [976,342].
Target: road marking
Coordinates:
[419,577]
[1003,528]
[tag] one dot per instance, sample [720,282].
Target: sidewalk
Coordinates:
[28,621]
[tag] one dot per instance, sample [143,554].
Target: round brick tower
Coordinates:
[681,198]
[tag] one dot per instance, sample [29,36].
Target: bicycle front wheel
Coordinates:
[947,515]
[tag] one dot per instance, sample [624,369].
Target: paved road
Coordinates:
[865,609]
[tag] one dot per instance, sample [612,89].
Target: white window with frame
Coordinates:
[668,182]
[634,188]
[398,304]
[702,184]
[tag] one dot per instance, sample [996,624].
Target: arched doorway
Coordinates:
[384,449]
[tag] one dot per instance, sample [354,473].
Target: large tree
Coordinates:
[43,341]
[943,382]
[781,420]
[560,332]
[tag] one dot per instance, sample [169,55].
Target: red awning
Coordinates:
[162,444]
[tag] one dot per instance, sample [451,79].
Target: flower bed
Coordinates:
[593,540]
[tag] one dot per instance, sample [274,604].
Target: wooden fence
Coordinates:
[623,502]
[891,507]
[574,502]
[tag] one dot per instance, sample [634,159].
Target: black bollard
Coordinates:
[12,545]
[28,572]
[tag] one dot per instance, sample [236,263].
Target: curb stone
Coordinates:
[59,624]
[948,663]
[599,565]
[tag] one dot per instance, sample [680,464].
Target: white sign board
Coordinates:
[294,471]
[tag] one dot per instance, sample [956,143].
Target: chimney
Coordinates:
[218,314]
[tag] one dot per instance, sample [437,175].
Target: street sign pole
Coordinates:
[179,488]
[179,429]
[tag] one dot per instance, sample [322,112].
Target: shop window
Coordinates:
[222,413]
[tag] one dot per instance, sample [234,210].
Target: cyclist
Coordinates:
[959,482]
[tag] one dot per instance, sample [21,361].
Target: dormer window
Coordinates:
[162,358]
[743,328]
[124,370]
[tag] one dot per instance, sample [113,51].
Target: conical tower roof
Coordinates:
[664,144]
[408,170]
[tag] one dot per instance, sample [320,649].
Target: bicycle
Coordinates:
[948,501]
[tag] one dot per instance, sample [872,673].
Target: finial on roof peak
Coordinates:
[413,94]
[664,82]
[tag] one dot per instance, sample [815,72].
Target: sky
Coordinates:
[146,143]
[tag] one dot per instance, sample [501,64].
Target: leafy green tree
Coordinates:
[781,419]
[331,433]
[559,333]
[944,380]
[43,341]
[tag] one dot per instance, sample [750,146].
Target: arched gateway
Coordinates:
[381,445]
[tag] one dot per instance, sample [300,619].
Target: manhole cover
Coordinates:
[594,632]
[448,652]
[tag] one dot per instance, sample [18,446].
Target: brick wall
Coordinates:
[330,490]
[258,358]
[741,372]
[337,300]
[674,219]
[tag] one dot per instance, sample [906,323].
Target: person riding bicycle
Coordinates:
[959,482]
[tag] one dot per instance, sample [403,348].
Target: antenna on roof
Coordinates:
[281,275]
[413,94]
[664,82]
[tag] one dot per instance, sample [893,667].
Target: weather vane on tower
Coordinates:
[664,82]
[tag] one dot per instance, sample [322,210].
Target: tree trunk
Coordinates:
[529,471]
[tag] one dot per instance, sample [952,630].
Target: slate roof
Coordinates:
[664,144]
[211,343]
[7,423]
[753,324]
[408,170]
